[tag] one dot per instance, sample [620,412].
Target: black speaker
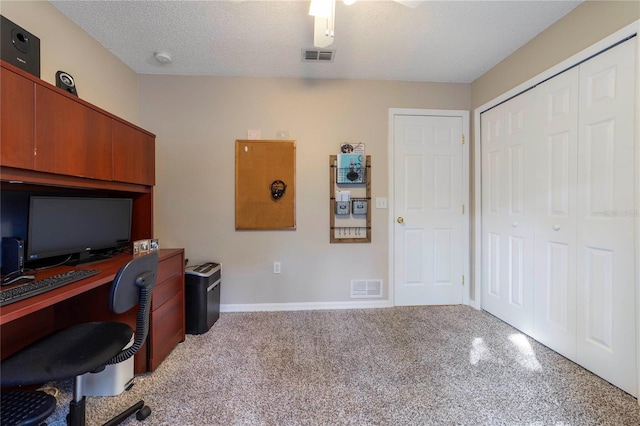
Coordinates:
[19,47]
[66,82]
[12,255]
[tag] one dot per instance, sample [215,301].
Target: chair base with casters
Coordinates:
[89,347]
[24,408]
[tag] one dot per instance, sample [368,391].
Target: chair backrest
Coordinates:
[133,285]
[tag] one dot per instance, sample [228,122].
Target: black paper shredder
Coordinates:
[202,283]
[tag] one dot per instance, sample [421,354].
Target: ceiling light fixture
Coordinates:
[320,8]
[163,57]
[324,13]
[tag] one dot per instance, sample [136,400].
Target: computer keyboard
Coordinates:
[33,288]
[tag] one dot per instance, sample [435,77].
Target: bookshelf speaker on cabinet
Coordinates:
[19,47]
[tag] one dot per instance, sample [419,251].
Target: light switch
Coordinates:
[381,203]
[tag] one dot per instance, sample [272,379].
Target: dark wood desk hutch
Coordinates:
[54,143]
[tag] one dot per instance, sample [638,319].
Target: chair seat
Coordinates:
[67,353]
[20,408]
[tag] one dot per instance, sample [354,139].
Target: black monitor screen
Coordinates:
[69,225]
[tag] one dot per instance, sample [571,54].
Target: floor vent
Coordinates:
[362,289]
[317,55]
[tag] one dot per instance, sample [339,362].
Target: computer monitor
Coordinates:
[76,226]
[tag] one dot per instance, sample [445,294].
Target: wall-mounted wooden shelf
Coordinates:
[345,226]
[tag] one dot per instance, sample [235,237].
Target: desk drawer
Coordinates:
[166,290]
[168,267]
[167,330]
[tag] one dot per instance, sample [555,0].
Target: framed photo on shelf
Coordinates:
[141,246]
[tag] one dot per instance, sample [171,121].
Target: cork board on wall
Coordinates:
[260,163]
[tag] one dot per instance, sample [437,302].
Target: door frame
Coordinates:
[466,257]
[616,37]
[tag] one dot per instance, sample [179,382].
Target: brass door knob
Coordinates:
[400,219]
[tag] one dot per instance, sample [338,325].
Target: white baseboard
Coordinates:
[308,306]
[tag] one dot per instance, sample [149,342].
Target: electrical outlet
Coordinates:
[276,267]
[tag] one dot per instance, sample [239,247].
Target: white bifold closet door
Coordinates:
[558,263]
[556,160]
[606,312]
[507,211]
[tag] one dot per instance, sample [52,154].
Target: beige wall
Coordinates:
[198,119]
[101,78]
[585,25]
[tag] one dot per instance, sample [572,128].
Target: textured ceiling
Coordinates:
[439,41]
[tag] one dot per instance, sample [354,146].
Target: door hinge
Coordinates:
[462,139]
[463,209]
[463,280]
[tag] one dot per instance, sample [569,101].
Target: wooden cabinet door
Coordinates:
[133,155]
[16,124]
[70,138]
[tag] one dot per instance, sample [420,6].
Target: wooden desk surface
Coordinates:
[108,269]
[26,321]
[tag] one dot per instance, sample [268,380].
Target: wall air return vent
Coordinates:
[312,55]
[365,289]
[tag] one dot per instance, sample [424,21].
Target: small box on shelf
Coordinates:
[342,207]
[359,206]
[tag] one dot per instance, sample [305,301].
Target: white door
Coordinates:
[507,211]
[427,209]
[555,233]
[605,217]
[584,196]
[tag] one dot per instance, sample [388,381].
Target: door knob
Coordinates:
[556,227]
[400,219]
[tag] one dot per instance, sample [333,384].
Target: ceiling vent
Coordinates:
[312,55]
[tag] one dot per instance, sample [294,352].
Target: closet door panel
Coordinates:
[520,223]
[508,217]
[492,123]
[555,229]
[605,238]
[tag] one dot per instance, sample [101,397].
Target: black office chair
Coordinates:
[87,347]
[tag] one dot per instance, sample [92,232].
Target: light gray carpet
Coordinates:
[448,365]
